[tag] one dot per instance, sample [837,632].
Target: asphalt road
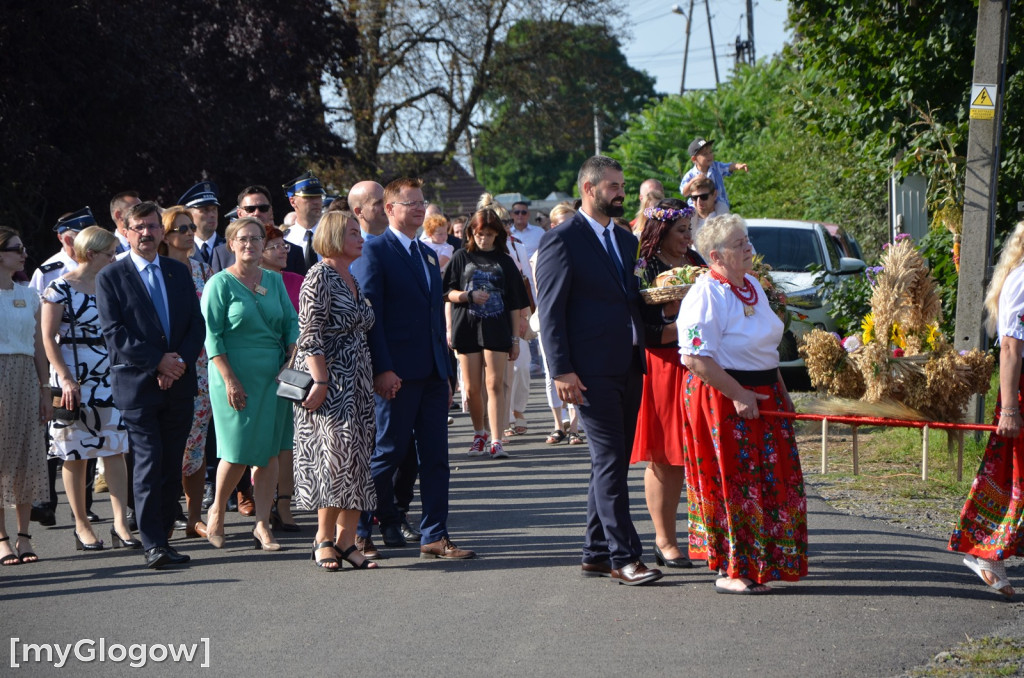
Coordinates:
[878,600]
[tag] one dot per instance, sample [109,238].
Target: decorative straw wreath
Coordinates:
[901,356]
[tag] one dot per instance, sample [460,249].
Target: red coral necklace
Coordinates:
[747,294]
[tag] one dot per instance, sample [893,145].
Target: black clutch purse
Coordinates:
[62,413]
[292,384]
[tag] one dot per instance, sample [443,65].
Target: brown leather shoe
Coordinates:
[197,530]
[246,506]
[444,548]
[596,569]
[366,547]
[636,574]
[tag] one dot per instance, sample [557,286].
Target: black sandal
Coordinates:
[575,438]
[10,558]
[557,436]
[367,564]
[326,561]
[28,554]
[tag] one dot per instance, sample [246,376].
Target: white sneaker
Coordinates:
[479,447]
[497,451]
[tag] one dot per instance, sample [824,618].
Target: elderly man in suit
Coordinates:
[410,365]
[592,320]
[154,330]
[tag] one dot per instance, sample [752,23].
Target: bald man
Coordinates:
[366,200]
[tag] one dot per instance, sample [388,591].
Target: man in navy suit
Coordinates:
[154,331]
[410,367]
[592,320]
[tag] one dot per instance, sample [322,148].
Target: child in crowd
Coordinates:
[704,165]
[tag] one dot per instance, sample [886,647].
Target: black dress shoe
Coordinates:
[93,518]
[603,569]
[392,536]
[129,516]
[232,502]
[44,515]
[636,574]
[208,496]
[678,563]
[117,542]
[408,531]
[157,557]
[175,558]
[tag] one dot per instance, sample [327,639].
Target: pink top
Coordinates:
[292,283]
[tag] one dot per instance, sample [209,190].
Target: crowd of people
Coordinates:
[156,349]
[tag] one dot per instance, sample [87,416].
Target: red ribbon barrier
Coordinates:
[879,421]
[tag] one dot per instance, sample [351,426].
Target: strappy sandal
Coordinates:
[994,567]
[367,564]
[575,438]
[10,558]
[515,430]
[27,556]
[557,436]
[323,563]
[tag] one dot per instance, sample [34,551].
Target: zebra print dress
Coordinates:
[333,444]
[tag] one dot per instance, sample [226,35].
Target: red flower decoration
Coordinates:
[897,353]
[697,341]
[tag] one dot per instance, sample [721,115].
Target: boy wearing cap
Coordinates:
[704,165]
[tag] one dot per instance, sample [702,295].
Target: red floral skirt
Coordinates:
[744,487]
[659,426]
[991,524]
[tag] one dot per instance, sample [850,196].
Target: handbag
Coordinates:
[526,281]
[57,392]
[293,384]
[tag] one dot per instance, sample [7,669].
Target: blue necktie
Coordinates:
[205,253]
[157,295]
[417,262]
[613,255]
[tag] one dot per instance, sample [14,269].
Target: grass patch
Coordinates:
[981,658]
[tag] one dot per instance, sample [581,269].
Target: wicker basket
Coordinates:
[661,295]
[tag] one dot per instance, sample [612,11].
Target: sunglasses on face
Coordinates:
[520,212]
[701,196]
[256,208]
[182,229]
[17,249]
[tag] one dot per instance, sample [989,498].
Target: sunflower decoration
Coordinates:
[900,355]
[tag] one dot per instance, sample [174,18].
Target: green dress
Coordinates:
[252,330]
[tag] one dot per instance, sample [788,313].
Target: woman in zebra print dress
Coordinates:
[79,364]
[334,427]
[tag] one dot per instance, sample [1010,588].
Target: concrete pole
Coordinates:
[686,50]
[980,185]
[711,36]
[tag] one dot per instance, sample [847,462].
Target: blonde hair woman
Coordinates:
[991,524]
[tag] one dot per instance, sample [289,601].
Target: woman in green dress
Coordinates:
[251,326]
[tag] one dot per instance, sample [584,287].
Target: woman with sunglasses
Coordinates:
[24,401]
[80,366]
[178,243]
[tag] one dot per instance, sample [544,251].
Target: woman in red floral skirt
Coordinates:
[745,490]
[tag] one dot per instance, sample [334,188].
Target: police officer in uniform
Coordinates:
[201,201]
[306,195]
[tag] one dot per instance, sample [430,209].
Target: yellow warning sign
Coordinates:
[983,101]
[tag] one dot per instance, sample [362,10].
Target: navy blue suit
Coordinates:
[158,421]
[408,338]
[589,316]
[217,241]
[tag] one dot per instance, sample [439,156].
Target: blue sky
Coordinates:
[659,36]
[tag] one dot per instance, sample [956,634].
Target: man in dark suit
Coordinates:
[202,203]
[592,320]
[410,367]
[154,330]
[254,201]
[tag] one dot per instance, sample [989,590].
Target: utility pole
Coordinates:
[676,9]
[711,36]
[745,48]
[980,186]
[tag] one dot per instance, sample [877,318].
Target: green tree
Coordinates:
[554,80]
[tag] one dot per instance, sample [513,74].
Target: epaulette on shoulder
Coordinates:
[52,266]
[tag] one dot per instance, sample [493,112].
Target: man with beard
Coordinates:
[201,201]
[592,327]
[306,195]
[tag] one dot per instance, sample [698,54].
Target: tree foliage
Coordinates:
[422,70]
[541,106]
[98,96]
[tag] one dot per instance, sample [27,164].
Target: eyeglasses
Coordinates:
[520,211]
[280,246]
[17,249]
[251,239]
[142,228]
[183,228]
[700,196]
[413,203]
[255,208]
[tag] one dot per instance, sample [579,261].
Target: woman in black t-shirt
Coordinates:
[486,293]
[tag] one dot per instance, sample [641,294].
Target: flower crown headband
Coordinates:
[667,214]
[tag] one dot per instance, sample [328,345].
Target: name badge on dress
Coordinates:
[260,290]
[19,303]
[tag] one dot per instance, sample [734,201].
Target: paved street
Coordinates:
[878,600]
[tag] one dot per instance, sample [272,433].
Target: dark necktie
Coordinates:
[417,263]
[310,252]
[613,255]
[205,251]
